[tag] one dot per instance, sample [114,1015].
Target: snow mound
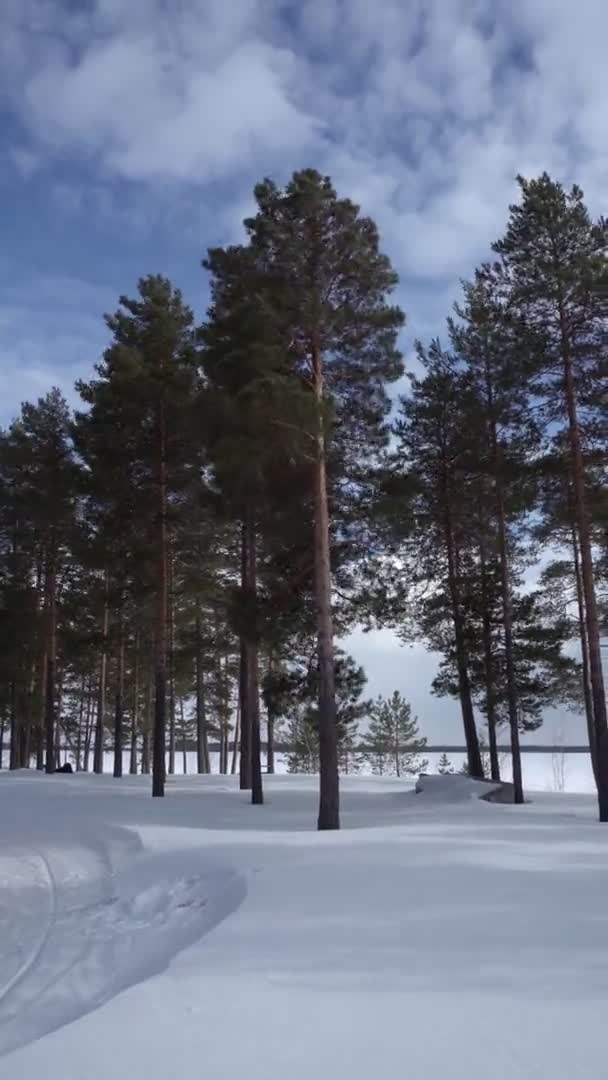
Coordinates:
[454,787]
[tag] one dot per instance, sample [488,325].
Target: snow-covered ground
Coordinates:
[553,771]
[435,936]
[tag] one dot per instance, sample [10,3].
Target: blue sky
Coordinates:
[131,135]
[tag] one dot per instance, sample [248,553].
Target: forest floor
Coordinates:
[435,936]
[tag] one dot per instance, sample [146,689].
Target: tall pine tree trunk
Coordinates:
[51,657]
[507,618]
[101,690]
[13,761]
[80,730]
[596,676]
[252,677]
[202,741]
[160,651]
[88,725]
[147,726]
[329,793]
[135,708]
[580,600]
[184,741]
[237,738]
[119,700]
[171,602]
[488,662]
[270,724]
[474,762]
[244,660]
[41,704]
[2,730]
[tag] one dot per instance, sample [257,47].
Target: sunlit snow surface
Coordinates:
[436,935]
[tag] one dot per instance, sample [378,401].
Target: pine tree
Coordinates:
[393,744]
[445,767]
[554,258]
[326,292]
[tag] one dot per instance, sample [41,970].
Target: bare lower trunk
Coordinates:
[474,761]
[160,657]
[236,740]
[51,654]
[119,701]
[244,661]
[202,742]
[80,731]
[585,656]
[329,793]
[507,615]
[101,698]
[251,698]
[2,729]
[135,710]
[184,741]
[13,762]
[147,727]
[170,600]
[488,660]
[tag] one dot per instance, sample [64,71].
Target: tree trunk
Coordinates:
[184,743]
[596,676]
[160,657]
[41,707]
[79,732]
[51,654]
[101,691]
[2,727]
[147,727]
[474,762]
[13,762]
[270,726]
[88,725]
[329,793]
[252,677]
[170,601]
[488,660]
[245,779]
[135,709]
[585,657]
[507,617]
[119,700]
[236,740]
[202,742]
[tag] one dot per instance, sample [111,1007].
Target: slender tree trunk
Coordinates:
[237,737]
[474,761]
[270,726]
[596,676]
[329,793]
[171,603]
[488,659]
[41,707]
[147,727]
[2,730]
[58,717]
[252,683]
[79,732]
[580,599]
[507,617]
[119,699]
[101,690]
[202,742]
[13,762]
[184,742]
[245,779]
[88,725]
[160,659]
[135,709]
[51,654]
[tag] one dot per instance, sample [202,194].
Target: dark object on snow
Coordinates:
[65,768]
[504,794]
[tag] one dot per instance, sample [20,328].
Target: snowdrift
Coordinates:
[456,788]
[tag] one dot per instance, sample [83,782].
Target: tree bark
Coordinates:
[474,761]
[585,656]
[13,762]
[119,700]
[135,709]
[202,742]
[88,726]
[147,727]
[488,659]
[270,726]
[245,777]
[251,695]
[51,655]
[160,657]
[329,792]
[79,732]
[236,740]
[171,603]
[101,692]
[184,742]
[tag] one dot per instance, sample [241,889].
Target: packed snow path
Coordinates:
[197,934]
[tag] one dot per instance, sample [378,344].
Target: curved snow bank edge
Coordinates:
[455,787]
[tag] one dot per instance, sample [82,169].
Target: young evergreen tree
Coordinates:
[393,744]
[445,767]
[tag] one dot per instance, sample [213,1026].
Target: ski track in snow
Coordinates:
[90,919]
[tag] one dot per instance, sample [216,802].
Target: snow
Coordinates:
[436,934]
